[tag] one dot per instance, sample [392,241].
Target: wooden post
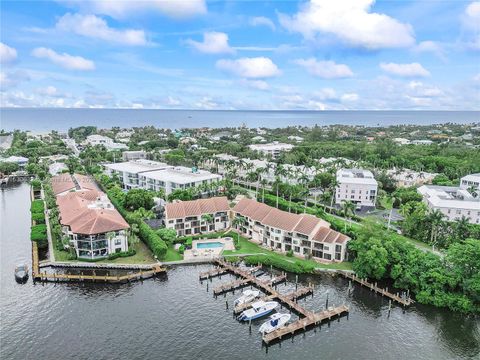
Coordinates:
[250,326]
[389,307]
[326,303]
[226,304]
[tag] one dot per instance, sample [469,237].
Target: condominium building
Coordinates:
[178,177]
[158,176]
[272,150]
[198,216]
[105,141]
[454,202]
[90,221]
[134,155]
[470,181]
[407,178]
[357,186]
[306,235]
[129,172]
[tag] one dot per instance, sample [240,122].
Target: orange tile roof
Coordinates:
[77,211]
[268,215]
[199,207]
[62,183]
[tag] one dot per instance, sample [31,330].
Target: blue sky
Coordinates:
[295,55]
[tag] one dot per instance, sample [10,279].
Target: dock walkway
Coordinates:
[405,301]
[306,319]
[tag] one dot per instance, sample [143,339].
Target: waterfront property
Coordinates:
[357,186]
[272,150]
[455,202]
[208,248]
[305,235]
[158,176]
[94,227]
[198,216]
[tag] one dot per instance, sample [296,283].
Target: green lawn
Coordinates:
[248,247]
[60,255]
[143,256]
[172,255]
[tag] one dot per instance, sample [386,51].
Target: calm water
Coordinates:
[176,318]
[62,119]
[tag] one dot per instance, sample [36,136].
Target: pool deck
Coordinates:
[208,253]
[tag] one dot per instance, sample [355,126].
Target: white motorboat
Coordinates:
[276,321]
[247,297]
[259,309]
[21,273]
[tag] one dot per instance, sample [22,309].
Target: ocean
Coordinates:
[40,120]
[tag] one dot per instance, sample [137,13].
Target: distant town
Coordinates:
[302,199]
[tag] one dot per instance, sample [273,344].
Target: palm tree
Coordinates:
[264,183]
[436,219]
[304,180]
[238,221]
[394,199]
[348,209]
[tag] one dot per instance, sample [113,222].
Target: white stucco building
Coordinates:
[105,141]
[454,202]
[273,149]
[356,185]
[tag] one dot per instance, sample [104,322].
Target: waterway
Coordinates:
[174,317]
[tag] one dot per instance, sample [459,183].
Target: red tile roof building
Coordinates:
[198,216]
[95,228]
[304,234]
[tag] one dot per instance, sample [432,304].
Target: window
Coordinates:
[118,242]
[297,249]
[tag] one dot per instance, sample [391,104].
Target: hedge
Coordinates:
[116,255]
[39,218]
[295,266]
[37,206]
[38,233]
[153,241]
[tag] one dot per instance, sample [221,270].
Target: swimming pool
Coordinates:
[209,245]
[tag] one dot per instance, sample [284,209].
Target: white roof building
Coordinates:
[273,149]
[356,185]
[105,141]
[472,180]
[453,202]
[407,178]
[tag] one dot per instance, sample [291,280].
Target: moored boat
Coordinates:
[21,273]
[259,309]
[247,297]
[276,321]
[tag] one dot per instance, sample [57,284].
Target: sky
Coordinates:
[261,55]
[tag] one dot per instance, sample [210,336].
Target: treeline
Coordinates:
[118,198]
[452,281]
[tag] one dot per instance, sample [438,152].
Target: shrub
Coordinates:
[181,249]
[39,218]
[36,184]
[153,241]
[128,253]
[38,234]
[290,253]
[236,243]
[37,206]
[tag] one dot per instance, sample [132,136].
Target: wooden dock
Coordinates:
[405,301]
[302,324]
[44,276]
[251,279]
[307,318]
[222,270]
[294,296]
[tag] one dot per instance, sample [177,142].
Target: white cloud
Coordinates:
[471,20]
[419,89]
[476,77]
[213,43]
[255,84]
[64,60]
[125,8]
[95,27]
[262,21]
[257,67]
[7,54]
[325,69]
[405,70]
[206,103]
[12,78]
[352,22]
[325,94]
[349,97]
[430,47]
